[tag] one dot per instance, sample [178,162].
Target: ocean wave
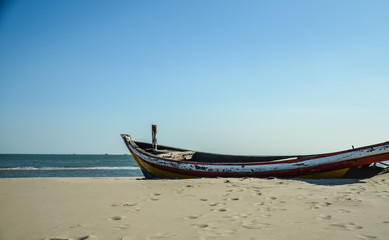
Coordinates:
[67,168]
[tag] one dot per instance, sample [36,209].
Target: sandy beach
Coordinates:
[130,208]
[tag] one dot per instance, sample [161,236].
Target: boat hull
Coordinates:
[333,165]
[150,171]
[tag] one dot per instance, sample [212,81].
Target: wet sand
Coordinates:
[127,208]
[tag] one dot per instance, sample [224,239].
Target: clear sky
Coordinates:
[241,77]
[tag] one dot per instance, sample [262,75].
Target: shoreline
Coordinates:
[232,208]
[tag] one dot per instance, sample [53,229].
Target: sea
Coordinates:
[67,165]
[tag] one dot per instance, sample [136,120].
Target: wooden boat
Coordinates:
[169,162]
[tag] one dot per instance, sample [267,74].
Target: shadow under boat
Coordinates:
[354,175]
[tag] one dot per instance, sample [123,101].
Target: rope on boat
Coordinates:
[384,164]
[380,163]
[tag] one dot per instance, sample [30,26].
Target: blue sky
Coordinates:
[240,77]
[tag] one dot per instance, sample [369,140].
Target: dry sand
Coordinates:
[127,208]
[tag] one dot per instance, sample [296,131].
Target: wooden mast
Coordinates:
[154,136]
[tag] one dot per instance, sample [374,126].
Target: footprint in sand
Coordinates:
[89,237]
[134,210]
[128,204]
[240,215]
[234,199]
[259,204]
[366,236]
[271,198]
[213,204]
[200,225]
[317,205]
[324,217]
[115,218]
[192,217]
[219,210]
[123,227]
[56,239]
[347,226]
